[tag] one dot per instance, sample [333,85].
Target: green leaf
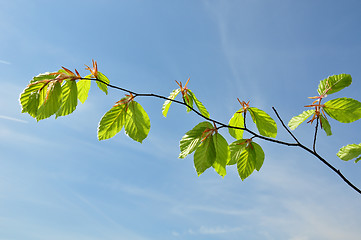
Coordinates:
[112,122]
[349,152]
[103,86]
[358,159]
[344,110]
[205,155]
[192,139]
[334,84]
[259,155]
[188,99]
[69,98]
[222,154]
[246,162]
[33,104]
[237,120]
[297,120]
[265,124]
[167,103]
[42,77]
[25,95]
[236,148]
[137,124]
[325,125]
[50,101]
[202,109]
[83,87]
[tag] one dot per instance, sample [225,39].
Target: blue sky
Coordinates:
[57,181]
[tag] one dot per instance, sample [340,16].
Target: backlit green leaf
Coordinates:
[33,104]
[349,152]
[188,99]
[112,122]
[259,155]
[237,120]
[25,95]
[222,154]
[265,124]
[344,110]
[334,84]
[204,156]
[236,148]
[101,85]
[325,125]
[167,103]
[192,139]
[246,162]
[83,87]
[137,124]
[43,76]
[297,120]
[199,105]
[50,101]
[69,98]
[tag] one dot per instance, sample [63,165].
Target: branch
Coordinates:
[255,135]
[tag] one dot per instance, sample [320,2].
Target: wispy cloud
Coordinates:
[214,230]
[12,119]
[5,62]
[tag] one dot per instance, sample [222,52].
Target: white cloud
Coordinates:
[13,119]
[5,62]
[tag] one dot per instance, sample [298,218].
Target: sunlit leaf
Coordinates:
[83,87]
[43,76]
[192,139]
[188,99]
[167,103]
[69,98]
[344,110]
[33,104]
[259,155]
[325,125]
[237,120]
[349,152]
[265,124]
[297,120]
[236,148]
[334,84]
[222,154]
[50,102]
[204,156]
[199,104]
[112,122]
[25,95]
[246,163]
[137,124]
[101,85]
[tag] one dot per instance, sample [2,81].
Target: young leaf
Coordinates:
[297,120]
[83,87]
[50,101]
[192,139]
[167,103]
[236,148]
[344,110]
[33,104]
[237,120]
[43,76]
[137,124]
[349,152]
[265,124]
[188,99]
[222,154]
[246,163]
[101,85]
[204,156]
[334,84]
[112,122]
[25,95]
[259,155]
[325,125]
[69,98]
[199,105]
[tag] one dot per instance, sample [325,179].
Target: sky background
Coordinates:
[57,181]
